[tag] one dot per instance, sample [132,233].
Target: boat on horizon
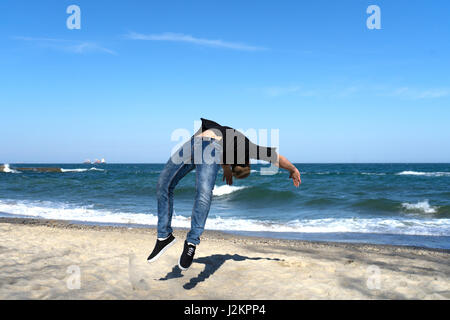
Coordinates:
[103,161]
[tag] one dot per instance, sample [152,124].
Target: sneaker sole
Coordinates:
[179,265]
[162,251]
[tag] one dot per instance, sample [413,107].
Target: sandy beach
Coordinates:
[45,259]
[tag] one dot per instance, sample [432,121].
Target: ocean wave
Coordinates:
[81,170]
[377,205]
[345,173]
[403,173]
[427,174]
[420,207]
[61,211]
[373,173]
[395,207]
[7,169]
[430,227]
[225,189]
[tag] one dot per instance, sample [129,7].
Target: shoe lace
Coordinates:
[190,251]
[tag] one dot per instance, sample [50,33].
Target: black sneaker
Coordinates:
[160,247]
[187,256]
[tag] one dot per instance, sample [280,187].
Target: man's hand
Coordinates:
[227,174]
[295,176]
[284,163]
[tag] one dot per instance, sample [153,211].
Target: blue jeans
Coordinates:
[205,178]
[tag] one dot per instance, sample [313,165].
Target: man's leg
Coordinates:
[168,179]
[205,179]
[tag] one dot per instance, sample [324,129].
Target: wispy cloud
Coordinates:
[356,90]
[278,91]
[85,47]
[72,46]
[179,37]
[418,94]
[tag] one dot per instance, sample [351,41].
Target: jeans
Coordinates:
[205,178]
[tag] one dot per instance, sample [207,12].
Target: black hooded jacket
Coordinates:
[237,148]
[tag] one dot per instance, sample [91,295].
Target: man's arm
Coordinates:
[284,163]
[269,155]
[227,174]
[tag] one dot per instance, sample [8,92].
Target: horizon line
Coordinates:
[80,163]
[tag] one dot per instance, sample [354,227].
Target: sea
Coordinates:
[395,204]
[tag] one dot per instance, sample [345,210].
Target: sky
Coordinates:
[136,71]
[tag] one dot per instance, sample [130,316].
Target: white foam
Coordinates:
[7,169]
[421,207]
[81,170]
[225,189]
[373,174]
[73,170]
[61,211]
[427,174]
[431,227]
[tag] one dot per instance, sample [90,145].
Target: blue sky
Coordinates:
[137,70]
